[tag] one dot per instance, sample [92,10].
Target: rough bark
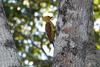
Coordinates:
[8,54]
[74,44]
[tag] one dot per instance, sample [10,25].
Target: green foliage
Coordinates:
[96,16]
[24,19]
[96,9]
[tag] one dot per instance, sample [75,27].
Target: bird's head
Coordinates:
[46,18]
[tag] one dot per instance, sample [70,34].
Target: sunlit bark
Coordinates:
[74,44]
[8,54]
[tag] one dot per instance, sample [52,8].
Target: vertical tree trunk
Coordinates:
[8,55]
[75,45]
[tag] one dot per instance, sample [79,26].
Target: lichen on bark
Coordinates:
[75,42]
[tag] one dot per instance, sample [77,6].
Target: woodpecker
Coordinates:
[49,29]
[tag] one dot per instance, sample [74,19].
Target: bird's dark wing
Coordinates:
[48,30]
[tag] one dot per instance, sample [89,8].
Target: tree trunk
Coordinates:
[8,54]
[74,44]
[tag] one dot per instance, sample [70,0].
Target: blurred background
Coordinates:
[28,29]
